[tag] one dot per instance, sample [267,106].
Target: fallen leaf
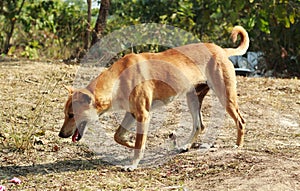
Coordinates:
[15,180]
[2,188]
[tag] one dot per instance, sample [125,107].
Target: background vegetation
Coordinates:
[57,29]
[32,96]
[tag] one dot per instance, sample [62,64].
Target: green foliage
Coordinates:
[45,28]
[31,50]
[56,28]
[271,25]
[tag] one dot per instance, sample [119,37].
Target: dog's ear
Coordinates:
[86,98]
[82,97]
[69,88]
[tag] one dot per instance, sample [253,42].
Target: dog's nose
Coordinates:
[62,135]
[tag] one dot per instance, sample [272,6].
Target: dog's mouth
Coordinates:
[76,136]
[79,132]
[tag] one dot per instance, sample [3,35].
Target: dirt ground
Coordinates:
[32,101]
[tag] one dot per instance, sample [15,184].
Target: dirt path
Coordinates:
[32,100]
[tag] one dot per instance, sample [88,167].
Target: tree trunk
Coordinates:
[101,21]
[88,27]
[9,34]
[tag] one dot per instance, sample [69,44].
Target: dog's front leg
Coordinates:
[140,141]
[122,131]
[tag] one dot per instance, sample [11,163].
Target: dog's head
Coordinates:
[79,111]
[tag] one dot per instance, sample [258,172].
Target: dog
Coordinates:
[137,82]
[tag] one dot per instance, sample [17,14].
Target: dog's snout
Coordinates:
[62,135]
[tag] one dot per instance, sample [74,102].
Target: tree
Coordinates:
[88,27]
[101,21]
[42,28]
[11,11]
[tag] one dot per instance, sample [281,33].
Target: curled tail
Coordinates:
[244,45]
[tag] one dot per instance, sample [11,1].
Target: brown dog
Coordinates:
[136,82]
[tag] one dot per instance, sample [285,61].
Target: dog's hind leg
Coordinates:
[122,131]
[232,107]
[233,111]
[201,91]
[224,85]
[194,100]
[193,104]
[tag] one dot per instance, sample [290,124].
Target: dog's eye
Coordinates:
[71,115]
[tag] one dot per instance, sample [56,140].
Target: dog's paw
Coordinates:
[126,143]
[129,144]
[195,145]
[237,146]
[184,148]
[129,168]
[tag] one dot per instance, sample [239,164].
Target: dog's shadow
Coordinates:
[105,161]
[48,168]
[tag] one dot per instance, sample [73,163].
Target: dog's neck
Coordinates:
[102,88]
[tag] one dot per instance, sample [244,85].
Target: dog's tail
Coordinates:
[244,44]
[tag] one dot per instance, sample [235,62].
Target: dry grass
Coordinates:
[32,100]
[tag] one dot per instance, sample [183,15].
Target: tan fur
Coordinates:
[137,81]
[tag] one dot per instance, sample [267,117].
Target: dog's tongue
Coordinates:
[75,136]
